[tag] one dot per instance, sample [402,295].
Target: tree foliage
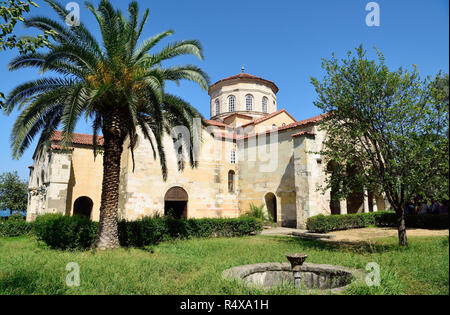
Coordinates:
[388,129]
[13,192]
[11,12]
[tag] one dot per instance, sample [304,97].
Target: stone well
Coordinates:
[334,279]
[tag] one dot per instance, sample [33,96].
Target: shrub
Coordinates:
[259,213]
[15,226]
[151,231]
[64,232]
[323,224]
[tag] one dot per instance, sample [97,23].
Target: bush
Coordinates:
[259,213]
[15,226]
[151,231]
[64,232]
[323,224]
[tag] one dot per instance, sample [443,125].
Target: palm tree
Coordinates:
[117,85]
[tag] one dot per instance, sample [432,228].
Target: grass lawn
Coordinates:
[195,266]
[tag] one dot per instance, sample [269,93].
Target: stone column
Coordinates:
[343,206]
[375,206]
[366,201]
[304,185]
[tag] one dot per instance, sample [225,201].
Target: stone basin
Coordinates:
[334,279]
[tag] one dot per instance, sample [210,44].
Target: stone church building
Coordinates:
[251,153]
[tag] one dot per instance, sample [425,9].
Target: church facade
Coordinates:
[251,152]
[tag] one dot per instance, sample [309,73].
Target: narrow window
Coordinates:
[249,103]
[217,107]
[264,104]
[231,181]
[231,103]
[233,157]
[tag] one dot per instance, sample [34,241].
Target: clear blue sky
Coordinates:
[282,41]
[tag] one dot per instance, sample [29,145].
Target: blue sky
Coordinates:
[282,41]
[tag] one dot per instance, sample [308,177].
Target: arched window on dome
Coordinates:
[264,104]
[217,106]
[249,102]
[231,103]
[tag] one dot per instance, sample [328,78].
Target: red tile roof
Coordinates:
[302,123]
[259,120]
[215,123]
[247,76]
[77,138]
[303,133]
[238,115]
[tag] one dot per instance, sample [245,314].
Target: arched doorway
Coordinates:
[83,206]
[175,202]
[271,204]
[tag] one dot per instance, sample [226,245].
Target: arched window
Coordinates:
[274,126]
[249,102]
[231,103]
[264,104]
[231,181]
[233,157]
[217,107]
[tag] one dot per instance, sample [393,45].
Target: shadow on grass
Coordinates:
[24,282]
[366,247]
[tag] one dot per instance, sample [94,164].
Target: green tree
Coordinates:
[13,192]
[117,84]
[11,12]
[388,129]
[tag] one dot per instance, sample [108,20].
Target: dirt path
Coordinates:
[364,234]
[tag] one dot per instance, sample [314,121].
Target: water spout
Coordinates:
[297,261]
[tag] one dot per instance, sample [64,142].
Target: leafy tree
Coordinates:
[11,12]
[118,85]
[13,192]
[389,130]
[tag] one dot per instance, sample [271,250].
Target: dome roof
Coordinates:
[247,77]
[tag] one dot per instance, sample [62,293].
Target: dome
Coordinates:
[243,94]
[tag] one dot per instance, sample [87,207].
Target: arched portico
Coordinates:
[83,206]
[271,205]
[176,202]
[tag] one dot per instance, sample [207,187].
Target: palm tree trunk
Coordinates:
[107,233]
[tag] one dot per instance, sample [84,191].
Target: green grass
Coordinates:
[195,266]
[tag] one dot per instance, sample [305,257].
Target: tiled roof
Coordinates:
[248,77]
[238,115]
[303,123]
[303,133]
[77,138]
[259,120]
[215,123]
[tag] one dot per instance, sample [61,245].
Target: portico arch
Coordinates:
[176,202]
[83,206]
[271,205]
